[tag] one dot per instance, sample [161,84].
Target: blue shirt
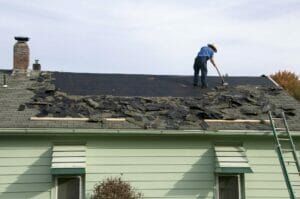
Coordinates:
[206,52]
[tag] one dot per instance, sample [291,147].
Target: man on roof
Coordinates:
[206,53]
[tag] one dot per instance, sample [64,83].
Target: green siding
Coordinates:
[24,168]
[267,180]
[27,195]
[158,166]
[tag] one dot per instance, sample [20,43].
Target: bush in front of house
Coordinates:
[115,188]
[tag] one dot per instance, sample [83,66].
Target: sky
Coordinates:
[253,37]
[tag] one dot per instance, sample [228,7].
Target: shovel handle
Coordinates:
[220,74]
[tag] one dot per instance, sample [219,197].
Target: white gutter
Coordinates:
[139,132]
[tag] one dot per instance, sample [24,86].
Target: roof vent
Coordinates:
[36,66]
[21,56]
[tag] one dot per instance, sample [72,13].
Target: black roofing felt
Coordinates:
[142,85]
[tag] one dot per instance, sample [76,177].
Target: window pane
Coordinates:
[68,188]
[228,187]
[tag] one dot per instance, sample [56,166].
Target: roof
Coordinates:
[144,101]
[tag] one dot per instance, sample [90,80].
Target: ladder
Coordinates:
[285,145]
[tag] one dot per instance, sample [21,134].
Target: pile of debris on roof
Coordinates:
[241,102]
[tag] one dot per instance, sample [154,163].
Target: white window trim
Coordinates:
[239,184]
[62,176]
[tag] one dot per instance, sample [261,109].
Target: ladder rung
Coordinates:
[287,150]
[284,139]
[280,128]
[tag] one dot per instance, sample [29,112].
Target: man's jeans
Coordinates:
[200,64]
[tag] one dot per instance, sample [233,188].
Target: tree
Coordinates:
[115,188]
[288,81]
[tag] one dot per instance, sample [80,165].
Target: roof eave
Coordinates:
[139,132]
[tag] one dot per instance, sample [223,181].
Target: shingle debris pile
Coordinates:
[236,102]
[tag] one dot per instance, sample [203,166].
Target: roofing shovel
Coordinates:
[223,81]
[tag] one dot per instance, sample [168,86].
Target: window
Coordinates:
[69,187]
[229,186]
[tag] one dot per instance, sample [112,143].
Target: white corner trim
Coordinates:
[273,81]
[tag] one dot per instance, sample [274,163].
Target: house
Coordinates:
[61,133]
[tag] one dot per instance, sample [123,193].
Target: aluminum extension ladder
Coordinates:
[285,145]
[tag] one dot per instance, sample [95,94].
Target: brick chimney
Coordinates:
[21,56]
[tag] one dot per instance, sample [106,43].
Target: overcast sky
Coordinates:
[254,37]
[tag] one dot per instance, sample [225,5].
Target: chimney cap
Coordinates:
[22,38]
